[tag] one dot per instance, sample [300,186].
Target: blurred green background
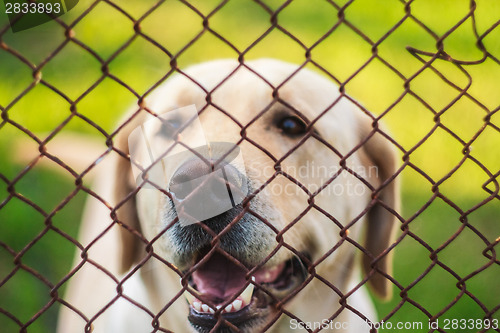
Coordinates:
[343,52]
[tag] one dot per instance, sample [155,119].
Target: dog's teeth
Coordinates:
[246,295]
[197,306]
[237,305]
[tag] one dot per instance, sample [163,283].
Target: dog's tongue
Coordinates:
[219,277]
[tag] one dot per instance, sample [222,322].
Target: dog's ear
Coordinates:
[378,156]
[126,202]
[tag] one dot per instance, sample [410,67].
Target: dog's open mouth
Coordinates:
[220,287]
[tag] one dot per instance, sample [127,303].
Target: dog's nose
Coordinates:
[202,189]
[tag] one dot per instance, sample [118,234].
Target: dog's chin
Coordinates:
[223,295]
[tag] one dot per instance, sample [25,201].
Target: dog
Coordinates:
[311,230]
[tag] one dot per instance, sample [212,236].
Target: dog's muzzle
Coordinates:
[219,254]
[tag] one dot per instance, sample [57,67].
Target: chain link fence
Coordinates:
[428,69]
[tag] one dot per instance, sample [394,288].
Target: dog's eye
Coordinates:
[292,126]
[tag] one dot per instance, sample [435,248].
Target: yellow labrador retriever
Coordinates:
[308,226]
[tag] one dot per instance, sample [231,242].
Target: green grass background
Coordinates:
[73,70]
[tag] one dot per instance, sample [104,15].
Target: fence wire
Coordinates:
[430,60]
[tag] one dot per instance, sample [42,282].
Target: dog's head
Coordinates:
[313,173]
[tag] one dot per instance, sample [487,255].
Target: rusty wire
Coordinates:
[428,61]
